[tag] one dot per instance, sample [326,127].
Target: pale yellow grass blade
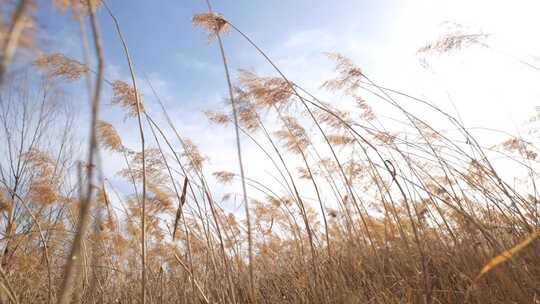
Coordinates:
[507,254]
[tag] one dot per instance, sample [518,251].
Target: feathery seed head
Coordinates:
[213,23]
[108,137]
[349,75]
[224,177]
[265,92]
[218,118]
[59,66]
[294,135]
[126,97]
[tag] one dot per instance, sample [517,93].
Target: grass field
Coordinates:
[360,207]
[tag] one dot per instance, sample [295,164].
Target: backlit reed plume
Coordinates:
[108,137]
[340,140]
[161,197]
[367,111]
[219,118]
[330,119]
[212,23]
[266,92]
[192,155]
[385,137]
[303,173]
[59,66]
[248,117]
[154,166]
[293,135]
[223,177]
[43,188]
[349,75]
[124,96]
[452,42]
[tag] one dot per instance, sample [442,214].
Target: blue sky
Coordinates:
[163,41]
[186,69]
[377,34]
[487,87]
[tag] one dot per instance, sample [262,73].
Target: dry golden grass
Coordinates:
[357,213]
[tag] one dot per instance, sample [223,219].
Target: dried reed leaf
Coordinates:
[508,254]
[180,206]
